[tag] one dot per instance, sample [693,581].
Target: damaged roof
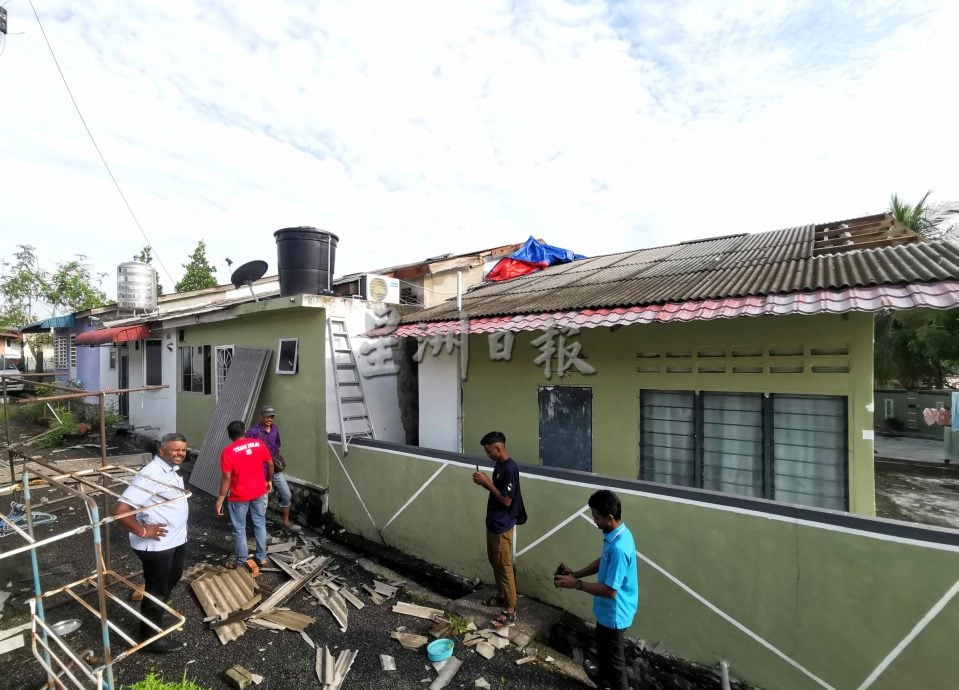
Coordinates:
[839,264]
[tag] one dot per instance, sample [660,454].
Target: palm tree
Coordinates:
[931,221]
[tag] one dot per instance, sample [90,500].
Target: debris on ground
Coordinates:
[409,640]
[446,673]
[417,611]
[387,663]
[332,672]
[481,683]
[242,679]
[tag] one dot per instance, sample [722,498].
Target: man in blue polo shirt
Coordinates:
[616,590]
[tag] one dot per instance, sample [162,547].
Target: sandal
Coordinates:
[254,568]
[231,565]
[504,619]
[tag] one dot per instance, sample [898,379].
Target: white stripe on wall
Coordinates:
[355,490]
[905,642]
[554,530]
[413,497]
[701,504]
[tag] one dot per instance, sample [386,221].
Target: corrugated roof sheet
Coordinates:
[771,263]
[942,295]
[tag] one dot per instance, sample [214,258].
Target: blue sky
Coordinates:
[415,129]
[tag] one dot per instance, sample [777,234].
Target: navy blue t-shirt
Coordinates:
[499,518]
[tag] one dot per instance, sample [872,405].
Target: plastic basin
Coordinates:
[440,649]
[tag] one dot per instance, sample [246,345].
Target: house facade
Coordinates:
[740,364]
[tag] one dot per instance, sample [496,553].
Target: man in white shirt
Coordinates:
[157,535]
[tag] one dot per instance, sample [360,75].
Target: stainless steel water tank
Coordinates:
[136,287]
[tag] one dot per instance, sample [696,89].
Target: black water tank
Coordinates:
[304,259]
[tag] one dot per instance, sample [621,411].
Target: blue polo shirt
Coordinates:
[617,570]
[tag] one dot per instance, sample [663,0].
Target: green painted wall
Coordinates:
[503,394]
[835,603]
[300,400]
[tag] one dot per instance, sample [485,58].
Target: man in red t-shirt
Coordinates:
[241,464]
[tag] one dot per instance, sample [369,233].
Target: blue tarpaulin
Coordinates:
[531,257]
[542,254]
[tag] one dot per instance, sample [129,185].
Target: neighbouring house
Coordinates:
[11,345]
[61,357]
[428,282]
[739,364]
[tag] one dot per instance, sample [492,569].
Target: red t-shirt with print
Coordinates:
[244,460]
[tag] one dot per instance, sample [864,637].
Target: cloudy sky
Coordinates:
[419,128]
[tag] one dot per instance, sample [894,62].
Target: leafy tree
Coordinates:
[200,273]
[917,348]
[932,221]
[22,288]
[73,287]
[146,256]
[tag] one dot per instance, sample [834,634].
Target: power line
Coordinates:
[94,141]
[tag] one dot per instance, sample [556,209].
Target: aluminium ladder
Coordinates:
[354,414]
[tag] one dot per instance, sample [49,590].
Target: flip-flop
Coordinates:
[504,619]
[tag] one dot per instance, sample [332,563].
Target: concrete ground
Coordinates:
[914,483]
[283,658]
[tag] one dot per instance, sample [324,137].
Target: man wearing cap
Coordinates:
[268,432]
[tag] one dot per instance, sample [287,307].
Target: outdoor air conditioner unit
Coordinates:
[377,288]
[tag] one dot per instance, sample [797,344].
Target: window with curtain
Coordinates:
[667,435]
[790,448]
[194,374]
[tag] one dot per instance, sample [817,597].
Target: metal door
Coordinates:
[566,427]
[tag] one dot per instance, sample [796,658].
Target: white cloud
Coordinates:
[414,130]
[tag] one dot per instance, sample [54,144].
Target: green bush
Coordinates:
[67,426]
[155,682]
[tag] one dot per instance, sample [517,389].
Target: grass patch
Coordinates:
[460,624]
[155,682]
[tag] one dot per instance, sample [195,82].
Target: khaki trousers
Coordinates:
[499,550]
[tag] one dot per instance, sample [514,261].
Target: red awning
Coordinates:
[109,336]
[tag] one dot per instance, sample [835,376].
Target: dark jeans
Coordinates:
[161,572]
[611,657]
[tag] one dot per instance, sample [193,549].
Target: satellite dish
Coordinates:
[247,273]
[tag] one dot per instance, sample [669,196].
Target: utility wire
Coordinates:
[94,141]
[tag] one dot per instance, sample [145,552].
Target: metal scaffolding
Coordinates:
[65,667]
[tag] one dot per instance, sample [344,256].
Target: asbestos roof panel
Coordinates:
[941,295]
[674,281]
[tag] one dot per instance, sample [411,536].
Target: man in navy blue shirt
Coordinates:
[500,520]
[616,590]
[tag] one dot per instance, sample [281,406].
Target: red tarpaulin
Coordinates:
[109,336]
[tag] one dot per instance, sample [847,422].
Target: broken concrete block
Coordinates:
[481,683]
[446,675]
[520,639]
[525,660]
[387,663]
[485,649]
[408,640]
[239,677]
[417,611]
[498,642]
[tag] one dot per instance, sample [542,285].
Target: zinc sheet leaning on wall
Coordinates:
[237,400]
